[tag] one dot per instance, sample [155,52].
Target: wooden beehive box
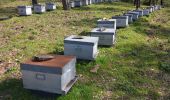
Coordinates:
[56,75]
[24,10]
[38,8]
[106,35]
[140,12]
[83,47]
[50,6]
[121,21]
[130,17]
[135,15]
[107,23]
[78,3]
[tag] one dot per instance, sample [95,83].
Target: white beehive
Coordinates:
[135,15]
[85,2]
[24,10]
[121,21]
[106,35]
[89,2]
[50,6]
[56,75]
[150,9]
[140,12]
[83,47]
[146,12]
[39,8]
[78,3]
[130,17]
[72,4]
[107,23]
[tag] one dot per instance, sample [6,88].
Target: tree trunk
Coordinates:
[65,4]
[150,2]
[161,2]
[34,2]
[137,4]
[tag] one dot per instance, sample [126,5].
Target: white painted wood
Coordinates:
[121,21]
[146,12]
[24,10]
[39,8]
[50,6]
[107,23]
[106,37]
[49,82]
[81,50]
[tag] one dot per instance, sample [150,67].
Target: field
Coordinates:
[136,68]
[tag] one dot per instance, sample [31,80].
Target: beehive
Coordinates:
[24,10]
[56,75]
[107,23]
[38,8]
[106,35]
[121,21]
[78,3]
[89,2]
[50,6]
[130,17]
[83,47]
[85,2]
[135,15]
[140,12]
[146,12]
[72,4]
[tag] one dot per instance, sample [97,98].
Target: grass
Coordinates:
[137,67]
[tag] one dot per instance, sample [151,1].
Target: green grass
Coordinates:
[137,67]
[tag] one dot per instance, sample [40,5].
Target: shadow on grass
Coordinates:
[7,13]
[12,89]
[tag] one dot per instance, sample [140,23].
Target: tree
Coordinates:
[66,5]
[137,3]
[34,2]
[161,2]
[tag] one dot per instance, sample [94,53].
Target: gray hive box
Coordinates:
[85,2]
[146,12]
[121,21]
[56,75]
[39,8]
[72,4]
[89,2]
[130,17]
[135,15]
[106,35]
[83,47]
[78,3]
[150,9]
[153,8]
[24,10]
[140,12]
[50,6]
[107,23]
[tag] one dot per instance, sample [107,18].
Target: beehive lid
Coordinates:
[120,17]
[106,20]
[133,12]
[83,40]
[54,65]
[106,31]
[24,7]
[128,15]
